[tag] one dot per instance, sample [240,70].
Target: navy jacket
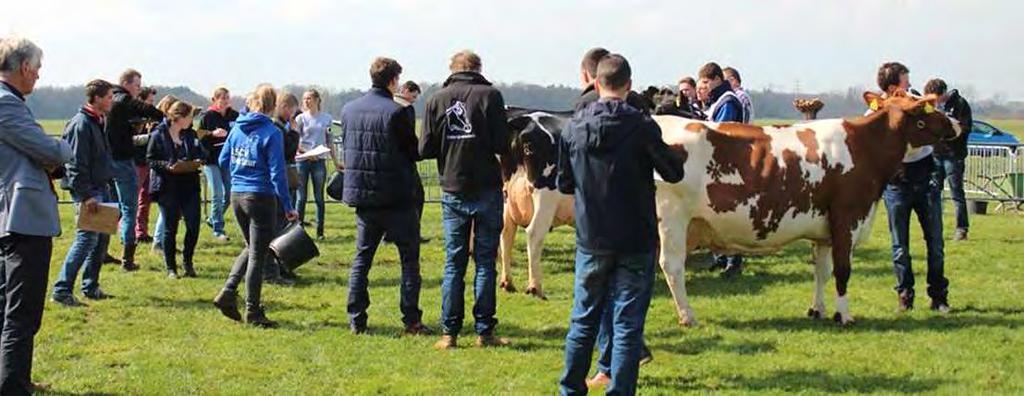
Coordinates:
[729,110]
[380,152]
[89,171]
[161,154]
[607,159]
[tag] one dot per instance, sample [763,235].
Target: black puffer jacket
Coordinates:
[958,108]
[465,128]
[125,111]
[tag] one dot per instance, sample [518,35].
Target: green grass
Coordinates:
[162,336]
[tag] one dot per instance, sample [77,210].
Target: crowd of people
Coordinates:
[121,148]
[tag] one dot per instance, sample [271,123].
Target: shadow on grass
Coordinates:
[952,322]
[62,393]
[206,304]
[713,343]
[798,381]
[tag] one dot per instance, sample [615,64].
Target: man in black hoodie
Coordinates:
[950,156]
[465,129]
[120,134]
[608,158]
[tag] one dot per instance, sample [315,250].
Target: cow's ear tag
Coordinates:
[874,105]
[928,108]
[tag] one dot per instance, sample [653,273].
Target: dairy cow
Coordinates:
[753,190]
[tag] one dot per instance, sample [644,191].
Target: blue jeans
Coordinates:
[403,226]
[88,250]
[923,197]
[953,170]
[604,334]
[127,185]
[623,282]
[317,170]
[219,181]
[462,216]
[158,239]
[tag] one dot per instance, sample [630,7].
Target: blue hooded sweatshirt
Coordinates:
[254,153]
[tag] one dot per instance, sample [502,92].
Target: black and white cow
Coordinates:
[532,200]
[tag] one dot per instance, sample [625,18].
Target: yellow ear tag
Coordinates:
[874,105]
[928,108]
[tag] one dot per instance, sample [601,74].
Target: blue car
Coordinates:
[984,134]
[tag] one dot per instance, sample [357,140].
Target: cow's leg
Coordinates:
[545,204]
[822,268]
[842,248]
[672,226]
[508,242]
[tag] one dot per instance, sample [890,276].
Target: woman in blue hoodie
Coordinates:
[174,156]
[254,154]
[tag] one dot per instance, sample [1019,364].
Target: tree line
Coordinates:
[63,102]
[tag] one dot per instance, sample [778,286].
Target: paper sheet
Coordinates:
[314,152]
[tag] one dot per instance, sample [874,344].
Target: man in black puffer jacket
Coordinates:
[380,158]
[120,133]
[950,156]
[465,128]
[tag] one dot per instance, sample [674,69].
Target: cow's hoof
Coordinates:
[508,286]
[840,320]
[816,314]
[535,291]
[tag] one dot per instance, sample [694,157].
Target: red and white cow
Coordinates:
[754,190]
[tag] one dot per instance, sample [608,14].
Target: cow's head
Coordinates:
[915,119]
[534,147]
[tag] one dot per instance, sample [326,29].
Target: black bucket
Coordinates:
[336,185]
[294,247]
[979,207]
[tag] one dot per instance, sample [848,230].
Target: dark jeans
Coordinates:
[24,264]
[953,170]
[257,219]
[404,228]
[607,330]
[175,205]
[919,193]
[480,216]
[316,170]
[622,281]
[87,250]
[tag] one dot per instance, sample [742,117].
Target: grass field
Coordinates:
[161,336]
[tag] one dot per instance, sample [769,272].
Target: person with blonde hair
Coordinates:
[174,156]
[254,154]
[314,128]
[158,239]
[214,124]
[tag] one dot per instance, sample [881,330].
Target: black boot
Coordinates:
[227,302]
[257,318]
[128,259]
[108,259]
[190,271]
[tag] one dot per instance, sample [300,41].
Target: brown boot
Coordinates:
[491,340]
[446,342]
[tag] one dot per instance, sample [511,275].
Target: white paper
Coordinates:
[315,152]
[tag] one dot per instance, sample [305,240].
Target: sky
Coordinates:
[788,45]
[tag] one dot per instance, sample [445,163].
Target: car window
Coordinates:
[982,129]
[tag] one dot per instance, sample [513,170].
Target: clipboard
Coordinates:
[183,167]
[103,220]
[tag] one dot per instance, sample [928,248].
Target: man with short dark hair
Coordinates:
[914,189]
[609,154]
[951,155]
[29,218]
[722,105]
[465,127]
[406,97]
[118,128]
[408,93]
[732,76]
[88,178]
[588,77]
[380,152]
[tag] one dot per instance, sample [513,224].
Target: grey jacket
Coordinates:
[89,171]
[28,204]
